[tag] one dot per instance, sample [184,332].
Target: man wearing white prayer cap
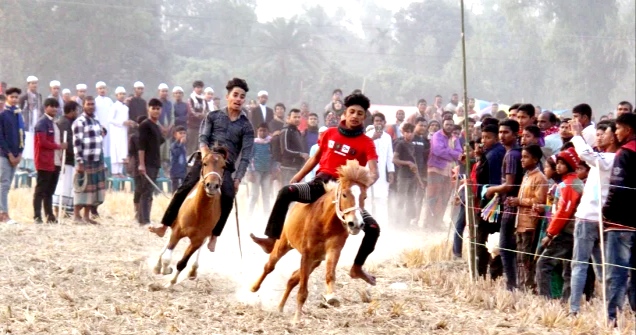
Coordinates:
[66,95]
[54,87]
[32,109]
[262,113]
[103,113]
[137,105]
[80,90]
[209,98]
[165,120]
[180,115]
[118,132]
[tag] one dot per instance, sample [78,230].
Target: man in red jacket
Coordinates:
[47,137]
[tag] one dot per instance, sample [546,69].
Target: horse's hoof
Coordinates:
[168,285]
[167,271]
[192,275]
[157,269]
[331,300]
[255,288]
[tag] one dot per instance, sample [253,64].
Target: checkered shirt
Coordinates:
[87,139]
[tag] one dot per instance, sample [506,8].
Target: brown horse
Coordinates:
[197,216]
[319,230]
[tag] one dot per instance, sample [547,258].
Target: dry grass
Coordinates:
[97,280]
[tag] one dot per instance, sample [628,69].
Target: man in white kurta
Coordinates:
[103,113]
[386,170]
[32,109]
[118,132]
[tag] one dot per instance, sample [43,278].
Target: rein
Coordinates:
[340,213]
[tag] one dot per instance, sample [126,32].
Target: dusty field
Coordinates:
[98,280]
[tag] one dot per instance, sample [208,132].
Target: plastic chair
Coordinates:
[25,173]
[118,183]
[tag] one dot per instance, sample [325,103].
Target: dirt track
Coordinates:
[98,280]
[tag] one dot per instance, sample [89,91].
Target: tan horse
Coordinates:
[319,230]
[197,216]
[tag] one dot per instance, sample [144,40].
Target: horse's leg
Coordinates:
[193,271]
[280,249]
[195,244]
[175,237]
[307,266]
[157,268]
[333,256]
[291,283]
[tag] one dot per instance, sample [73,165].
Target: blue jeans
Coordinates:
[586,244]
[619,252]
[507,240]
[6,176]
[460,225]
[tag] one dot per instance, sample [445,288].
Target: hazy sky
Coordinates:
[270,9]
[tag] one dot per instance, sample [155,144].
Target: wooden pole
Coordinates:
[60,197]
[470,213]
[601,240]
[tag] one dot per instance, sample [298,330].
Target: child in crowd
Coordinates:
[259,172]
[534,189]
[559,240]
[178,163]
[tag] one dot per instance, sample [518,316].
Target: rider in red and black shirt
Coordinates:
[335,146]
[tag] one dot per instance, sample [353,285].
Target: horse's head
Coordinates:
[351,193]
[212,168]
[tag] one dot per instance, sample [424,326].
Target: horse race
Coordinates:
[342,167]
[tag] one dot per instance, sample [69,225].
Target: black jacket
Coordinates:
[64,124]
[292,145]
[622,190]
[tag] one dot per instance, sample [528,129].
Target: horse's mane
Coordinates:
[221,150]
[353,173]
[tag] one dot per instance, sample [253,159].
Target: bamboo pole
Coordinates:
[601,240]
[470,214]
[60,211]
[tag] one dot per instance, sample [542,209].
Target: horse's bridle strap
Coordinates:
[213,173]
[340,213]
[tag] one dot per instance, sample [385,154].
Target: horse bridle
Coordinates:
[340,213]
[211,173]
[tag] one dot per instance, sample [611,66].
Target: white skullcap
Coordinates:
[80,87]
[66,91]
[177,89]
[261,93]
[100,84]
[322,129]
[120,89]
[162,86]
[54,83]
[31,79]
[138,84]
[208,89]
